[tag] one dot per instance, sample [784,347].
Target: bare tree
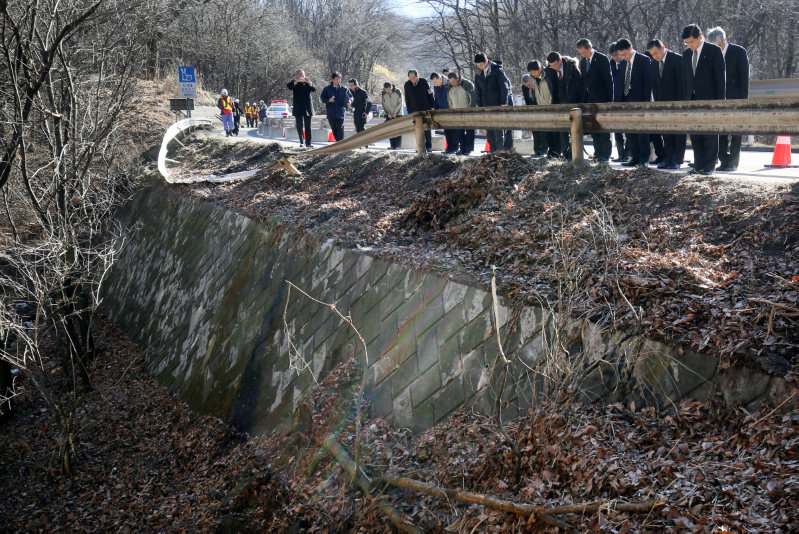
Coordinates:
[517,31]
[345,35]
[71,69]
[245,46]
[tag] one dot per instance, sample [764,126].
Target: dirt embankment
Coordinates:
[709,264]
[147,463]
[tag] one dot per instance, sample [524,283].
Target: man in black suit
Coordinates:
[598,82]
[637,88]
[491,88]
[419,97]
[737,64]
[569,87]
[302,107]
[655,139]
[668,85]
[704,80]
[617,67]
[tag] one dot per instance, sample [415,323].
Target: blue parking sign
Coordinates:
[186,74]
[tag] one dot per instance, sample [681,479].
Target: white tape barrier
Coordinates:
[219,178]
[170,134]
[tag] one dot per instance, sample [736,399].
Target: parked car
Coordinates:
[278,109]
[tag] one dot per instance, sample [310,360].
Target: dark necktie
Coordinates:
[628,78]
[660,67]
[560,75]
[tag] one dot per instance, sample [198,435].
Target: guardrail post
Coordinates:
[576,118]
[418,122]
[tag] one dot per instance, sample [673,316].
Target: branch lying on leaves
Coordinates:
[498,400]
[532,512]
[535,513]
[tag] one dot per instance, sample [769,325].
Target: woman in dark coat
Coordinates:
[302,108]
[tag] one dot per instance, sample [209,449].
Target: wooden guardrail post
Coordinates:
[576,118]
[418,125]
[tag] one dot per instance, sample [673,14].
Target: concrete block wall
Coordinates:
[203,290]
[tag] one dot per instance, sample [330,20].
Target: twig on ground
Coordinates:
[498,400]
[774,304]
[547,515]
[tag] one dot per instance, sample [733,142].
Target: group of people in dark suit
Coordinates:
[709,69]
[336,98]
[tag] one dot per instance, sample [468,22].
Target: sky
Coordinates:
[413,8]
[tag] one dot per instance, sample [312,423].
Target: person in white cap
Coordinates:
[225,105]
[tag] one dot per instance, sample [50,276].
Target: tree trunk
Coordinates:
[152,59]
[6,383]
[66,447]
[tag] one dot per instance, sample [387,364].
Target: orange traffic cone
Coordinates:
[488,146]
[446,145]
[330,137]
[782,153]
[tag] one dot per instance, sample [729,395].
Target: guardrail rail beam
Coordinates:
[775,116]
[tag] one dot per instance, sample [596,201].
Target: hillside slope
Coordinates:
[708,264]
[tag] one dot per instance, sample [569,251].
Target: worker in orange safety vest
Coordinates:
[225,105]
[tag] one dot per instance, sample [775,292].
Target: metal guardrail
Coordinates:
[783,87]
[775,116]
[772,116]
[386,130]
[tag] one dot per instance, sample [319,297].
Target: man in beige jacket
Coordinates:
[461,95]
[391,98]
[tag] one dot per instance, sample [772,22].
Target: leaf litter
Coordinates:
[149,463]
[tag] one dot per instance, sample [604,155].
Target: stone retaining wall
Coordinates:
[202,289]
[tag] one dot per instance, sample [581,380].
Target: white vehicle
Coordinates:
[278,109]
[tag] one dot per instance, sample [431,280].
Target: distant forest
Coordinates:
[253,47]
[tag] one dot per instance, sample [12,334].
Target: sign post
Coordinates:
[188,85]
